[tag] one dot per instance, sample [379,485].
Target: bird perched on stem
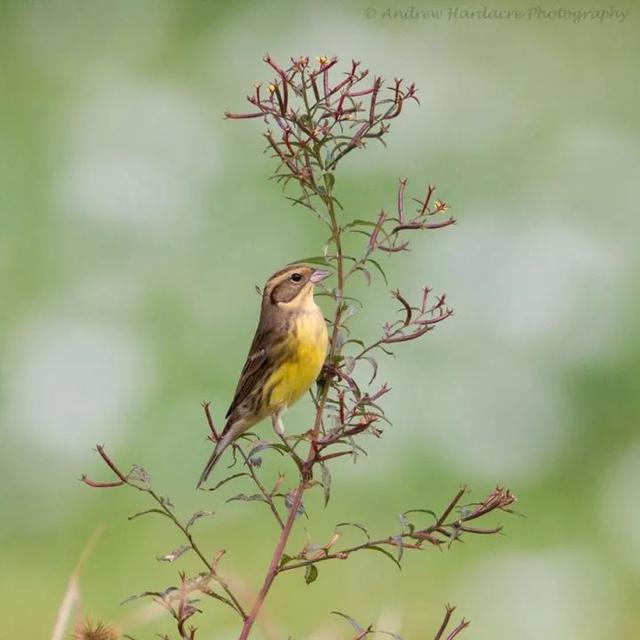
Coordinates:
[285,358]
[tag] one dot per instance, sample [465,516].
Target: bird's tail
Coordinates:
[221,445]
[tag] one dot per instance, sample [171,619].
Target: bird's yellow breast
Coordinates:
[305,349]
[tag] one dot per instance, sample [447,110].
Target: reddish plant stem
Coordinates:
[272,572]
[231,600]
[437,534]
[307,468]
[101,485]
[445,622]
[306,174]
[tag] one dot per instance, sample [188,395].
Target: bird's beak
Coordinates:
[319,275]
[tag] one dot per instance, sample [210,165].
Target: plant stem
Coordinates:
[307,469]
[272,572]
[231,601]
[263,490]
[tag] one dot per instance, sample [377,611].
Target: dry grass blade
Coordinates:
[72,593]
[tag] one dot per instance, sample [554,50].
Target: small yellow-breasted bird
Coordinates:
[285,358]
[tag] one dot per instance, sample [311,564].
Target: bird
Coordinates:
[285,358]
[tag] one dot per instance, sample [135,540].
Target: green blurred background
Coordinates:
[135,221]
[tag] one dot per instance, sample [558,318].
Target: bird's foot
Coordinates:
[277,423]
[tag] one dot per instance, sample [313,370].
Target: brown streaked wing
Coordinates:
[255,370]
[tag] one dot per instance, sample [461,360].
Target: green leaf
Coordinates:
[310,573]
[400,546]
[257,497]
[349,365]
[376,264]
[288,502]
[350,310]
[407,527]
[300,201]
[329,180]
[427,511]
[360,231]
[360,223]
[366,273]
[228,479]
[386,553]
[197,515]
[285,559]
[351,620]
[326,484]
[139,476]
[321,260]
[357,525]
[263,445]
[172,556]
[144,513]
[149,594]
[374,365]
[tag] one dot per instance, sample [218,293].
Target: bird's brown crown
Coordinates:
[286,285]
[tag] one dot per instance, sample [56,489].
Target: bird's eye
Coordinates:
[296,277]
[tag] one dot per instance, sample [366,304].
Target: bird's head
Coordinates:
[292,287]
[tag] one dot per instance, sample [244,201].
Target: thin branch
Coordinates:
[436,534]
[230,600]
[263,490]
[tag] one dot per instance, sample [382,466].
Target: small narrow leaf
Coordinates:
[386,553]
[197,515]
[400,546]
[376,264]
[349,365]
[148,511]
[360,222]
[374,365]
[300,201]
[144,594]
[406,525]
[263,445]
[330,180]
[256,497]
[326,484]
[357,525]
[321,260]
[366,273]
[288,502]
[174,555]
[350,310]
[310,573]
[286,558]
[351,620]
[427,511]
[139,475]
[228,479]
[166,501]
